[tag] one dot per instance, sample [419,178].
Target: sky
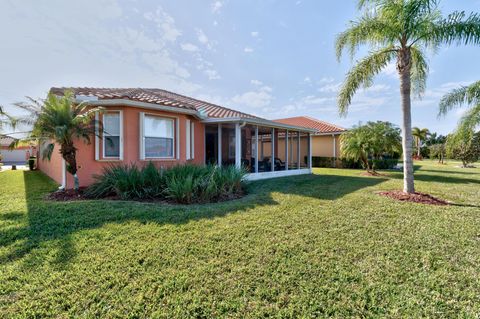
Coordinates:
[271,58]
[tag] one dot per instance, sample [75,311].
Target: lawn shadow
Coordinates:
[57,221]
[439,178]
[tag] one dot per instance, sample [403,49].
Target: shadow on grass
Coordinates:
[465,171]
[440,178]
[57,221]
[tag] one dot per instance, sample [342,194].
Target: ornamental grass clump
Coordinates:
[184,184]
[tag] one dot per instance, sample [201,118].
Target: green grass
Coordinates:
[323,245]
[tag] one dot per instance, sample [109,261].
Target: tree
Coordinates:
[62,121]
[420,135]
[465,95]
[371,141]
[401,31]
[464,145]
[437,151]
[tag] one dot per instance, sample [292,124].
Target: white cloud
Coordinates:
[254,99]
[326,80]
[165,23]
[189,47]
[201,36]
[331,88]
[390,70]
[212,74]
[256,82]
[216,6]
[248,50]
[254,34]
[307,79]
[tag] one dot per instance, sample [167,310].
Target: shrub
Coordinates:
[182,184]
[384,163]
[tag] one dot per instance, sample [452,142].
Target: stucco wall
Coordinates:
[322,145]
[88,166]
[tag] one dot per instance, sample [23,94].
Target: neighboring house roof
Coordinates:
[6,141]
[305,121]
[159,97]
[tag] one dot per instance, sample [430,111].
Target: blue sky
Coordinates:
[272,58]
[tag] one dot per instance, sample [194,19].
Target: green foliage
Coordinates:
[374,140]
[464,145]
[437,151]
[183,184]
[419,135]
[466,95]
[312,246]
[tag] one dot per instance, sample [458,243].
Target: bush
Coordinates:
[31,163]
[183,184]
[319,161]
[386,163]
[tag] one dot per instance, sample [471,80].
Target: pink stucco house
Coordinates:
[153,125]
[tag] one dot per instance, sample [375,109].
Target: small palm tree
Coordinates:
[62,121]
[401,31]
[466,95]
[420,135]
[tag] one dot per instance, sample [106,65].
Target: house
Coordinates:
[154,125]
[325,140]
[17,156]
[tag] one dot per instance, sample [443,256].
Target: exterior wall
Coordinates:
[322,145]
[52,168]
[88,166]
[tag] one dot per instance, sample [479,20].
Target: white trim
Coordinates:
[272,157]
[265,175]
[150,106]
[97,138]
[298,150]
[177,138]
[238,146]
[286,151]
[309,151]
[256,121]
[188,135]
[219,155]
[120,138]
[142,139]
[256,149]
[192,140]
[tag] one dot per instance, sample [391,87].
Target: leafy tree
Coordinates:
[437,151]
[420,135]
[435,138]
[401,31]
[466,95]
[374,140]
[62,121]
[464,145]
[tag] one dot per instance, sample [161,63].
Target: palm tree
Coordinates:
[62,121]
[466,95]
[420,135]
[401,31]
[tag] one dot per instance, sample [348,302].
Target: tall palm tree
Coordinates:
[465,95]
[62,121]
[401,31]
[420,135]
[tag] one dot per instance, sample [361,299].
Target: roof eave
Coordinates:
[258,121]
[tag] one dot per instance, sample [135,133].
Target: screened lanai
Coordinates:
[250,144]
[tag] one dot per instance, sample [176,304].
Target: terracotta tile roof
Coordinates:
[156,96]
[309,122]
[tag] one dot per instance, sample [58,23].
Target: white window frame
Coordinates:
[142,136]
[120,118]
[190,139]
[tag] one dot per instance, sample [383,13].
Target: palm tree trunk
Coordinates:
[69,155]
[403,67]
[418,147]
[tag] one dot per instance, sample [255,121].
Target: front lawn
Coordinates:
[306,246]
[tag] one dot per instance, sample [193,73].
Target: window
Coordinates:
[158,137]
[189,133]
[111,135]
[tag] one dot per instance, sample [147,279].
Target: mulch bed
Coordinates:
[421,198]
[66,195]
[375,174]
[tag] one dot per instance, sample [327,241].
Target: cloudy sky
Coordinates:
[272,58]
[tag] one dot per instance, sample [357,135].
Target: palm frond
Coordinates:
[471,119]
[457,28]
[419,71]
[368,29]
[362,74]
[465,95]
